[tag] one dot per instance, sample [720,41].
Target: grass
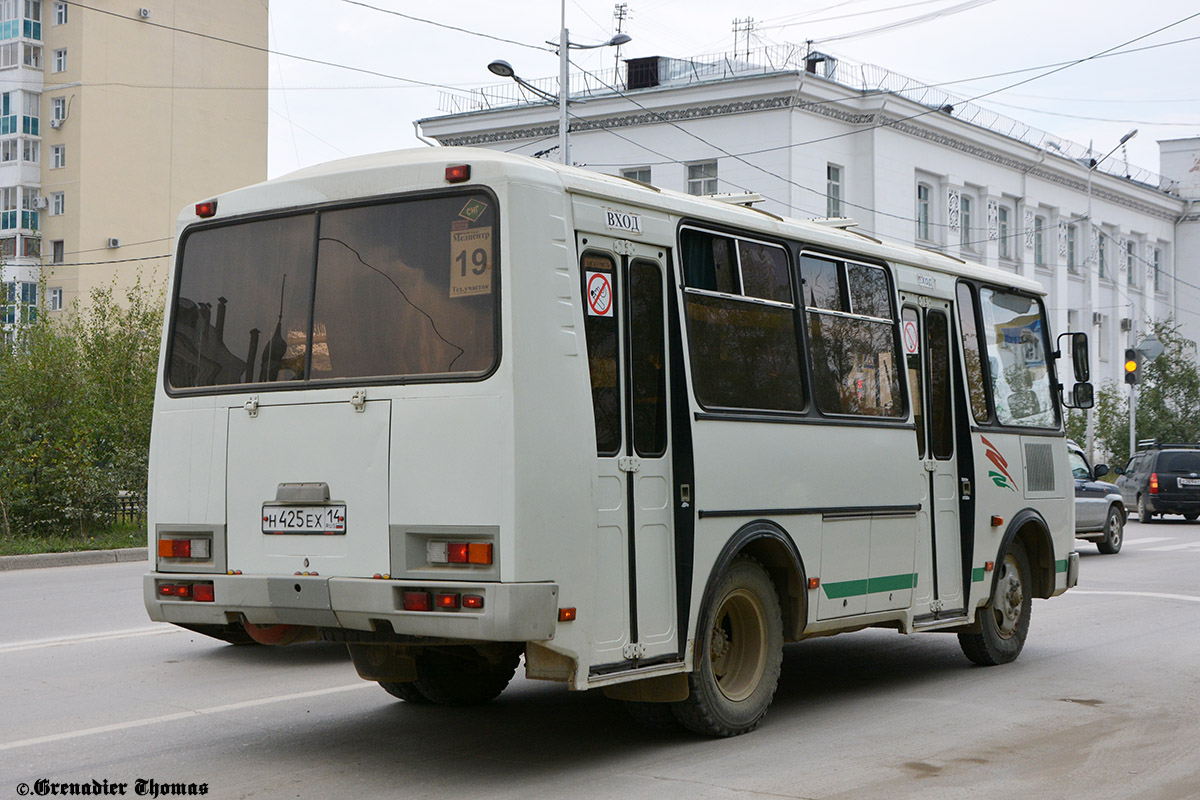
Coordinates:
[123,535]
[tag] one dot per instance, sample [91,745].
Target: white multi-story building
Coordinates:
[1114,245]
[112,120]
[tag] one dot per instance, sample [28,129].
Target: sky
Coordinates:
[399,52]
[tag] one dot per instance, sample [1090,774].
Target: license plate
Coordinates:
[328,520]
[1188,481]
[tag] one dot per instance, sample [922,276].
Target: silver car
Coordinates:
[1099,512]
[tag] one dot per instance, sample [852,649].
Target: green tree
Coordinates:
[76,400]
[1168,407]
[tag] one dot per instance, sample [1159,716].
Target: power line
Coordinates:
[449,27]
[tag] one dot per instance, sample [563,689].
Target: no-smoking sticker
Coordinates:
[599,294]
[911,347]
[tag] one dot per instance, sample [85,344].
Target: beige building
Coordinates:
[114,117]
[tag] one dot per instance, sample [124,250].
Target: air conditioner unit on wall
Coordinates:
[41,202]
[1126,324]
[144,13]
[1097,318]
[56,123]
[114,241]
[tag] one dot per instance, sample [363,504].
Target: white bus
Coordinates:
[455,408]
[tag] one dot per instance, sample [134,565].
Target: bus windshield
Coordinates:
[402,290]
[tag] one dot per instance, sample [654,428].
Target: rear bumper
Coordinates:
[1164,505]
[512,612]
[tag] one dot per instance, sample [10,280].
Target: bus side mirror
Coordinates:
[1079,355]
[1082,396]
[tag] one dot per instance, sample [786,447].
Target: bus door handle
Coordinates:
[685,495]
[966,488]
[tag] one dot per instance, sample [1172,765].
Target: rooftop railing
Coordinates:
[864,78]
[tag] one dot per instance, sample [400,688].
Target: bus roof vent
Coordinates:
[836,222]
[744,199]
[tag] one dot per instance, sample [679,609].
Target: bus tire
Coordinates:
[464,676]
[739,651]
[1004,621]
[406,691]
[1114,532]
[655,716]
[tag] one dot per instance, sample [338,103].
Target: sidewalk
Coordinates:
[41,560]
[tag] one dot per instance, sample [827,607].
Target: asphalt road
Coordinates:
[1102,704]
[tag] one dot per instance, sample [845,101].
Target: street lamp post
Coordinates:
[1092,164]
[565,45]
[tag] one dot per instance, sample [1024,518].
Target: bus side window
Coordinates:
[852,338]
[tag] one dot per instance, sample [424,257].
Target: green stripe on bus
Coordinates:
[886,583]
[1060,566]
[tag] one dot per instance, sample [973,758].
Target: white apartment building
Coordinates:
[1115,246]
[113,117]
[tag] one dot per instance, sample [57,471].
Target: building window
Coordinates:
[1073,320]
[55,298]
[56,251]
[965,237]
[8,210]
[31,150]
[1102,254]
[924,193]
[60,13]
[641,174]
[31,55]
[58,204]
[33,110]
[8,150]
[1072,258]
[702,178]
[58,108]
[31,246]
[833,190]
[1130,272]
[8,247]
[60,60]
[1156,263]
[1101,338]
[58,156]
[1004,223]
[1039,241]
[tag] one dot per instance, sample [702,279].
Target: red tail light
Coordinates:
[206,209]
[202,592]
[448,600]
[1153,483]
[417,601]
[472,601]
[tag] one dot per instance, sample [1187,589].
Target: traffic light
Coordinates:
[1132,363]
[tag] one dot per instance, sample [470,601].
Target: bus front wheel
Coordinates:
[1004,621]
[738,655]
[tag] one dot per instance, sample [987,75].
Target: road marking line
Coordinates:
[1158,595]
[36,644]
[1172,547]
[139,723]
[1149,539]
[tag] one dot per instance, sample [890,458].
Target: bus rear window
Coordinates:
[400,290]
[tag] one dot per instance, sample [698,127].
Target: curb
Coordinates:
[81,557]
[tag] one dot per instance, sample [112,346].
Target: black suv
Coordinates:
[1162,479]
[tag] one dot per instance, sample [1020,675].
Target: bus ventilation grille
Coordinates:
[1039,467]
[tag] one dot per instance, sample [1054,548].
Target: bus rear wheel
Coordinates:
[1004,621]
[738,657]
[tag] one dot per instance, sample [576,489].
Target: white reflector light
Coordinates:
[435,553]
[200,548]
